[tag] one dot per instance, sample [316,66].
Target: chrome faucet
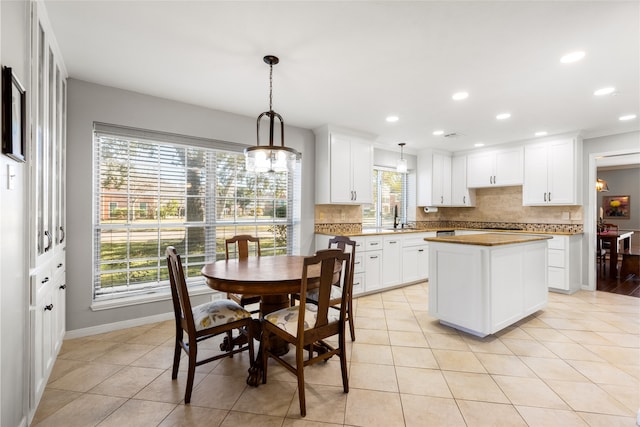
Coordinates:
[395,217]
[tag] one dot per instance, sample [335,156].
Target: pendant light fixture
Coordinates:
[270,158]
[402,163]
[601,185]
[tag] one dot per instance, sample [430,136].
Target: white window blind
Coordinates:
[389,191]
[152,190]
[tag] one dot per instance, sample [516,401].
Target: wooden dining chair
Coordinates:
[240,246]
[309,324]
[346,245]
[202,322]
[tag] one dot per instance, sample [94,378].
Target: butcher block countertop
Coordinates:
[488,239]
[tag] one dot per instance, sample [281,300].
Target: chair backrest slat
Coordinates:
[241,243]
[179,292]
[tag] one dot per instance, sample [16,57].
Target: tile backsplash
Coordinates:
[499,207]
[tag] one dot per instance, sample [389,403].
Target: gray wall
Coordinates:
[88,103]
[14,284]
[623,182]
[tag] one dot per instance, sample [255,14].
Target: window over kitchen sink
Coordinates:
[389,199]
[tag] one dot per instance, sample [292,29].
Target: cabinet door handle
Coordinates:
[59,265]
[49,239]
[393,242]
[441,199]
[62,231]
[374,243]
[357,263]
[464,200]
[63,287]
[420,250]
[549,196]
[373,256]
[45,280]
[355,195]
[545,197]
[48,307]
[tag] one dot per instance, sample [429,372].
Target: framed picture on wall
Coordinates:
[616,207]
[14,109]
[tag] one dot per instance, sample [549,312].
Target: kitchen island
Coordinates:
[483,283]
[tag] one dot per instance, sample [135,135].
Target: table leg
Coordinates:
[268,304]
[613,259]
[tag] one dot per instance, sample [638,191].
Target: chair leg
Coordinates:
[250,335]
[190,375]
[350,313]
[265,354]
[300,375]
[343,362]
[177,352]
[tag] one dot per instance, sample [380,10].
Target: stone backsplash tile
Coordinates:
[342,228]
[520,226]
[336,214]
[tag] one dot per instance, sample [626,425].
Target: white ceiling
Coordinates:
[351,64]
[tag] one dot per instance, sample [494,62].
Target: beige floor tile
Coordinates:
[414,357]
[628,396]
[615,355]
[553,369]
[431,325]
[481,414]
[604,373]
[127,382]
[375,323]
[138,413]
[571,351]
[588,397]
[218,391]
[368,408]
[321,373]
[153,337]
[236,366]
[323,403]
[513,332]
[547,334]
[123,354]
[409,325]
[64,366]
[85,378]
[363,311]
[430,411]
[504,364]
[587,337]
[235,419]
[529,392]
[194,416]
[53,400]
[373,377]
[408,339]
[273,398]
[527,347]
[623,339]
[424,382]
[489,344]
[447,342]
[160,357]
[397,306]
[88,350]
[463,361]
[303,422]
[372,336]
[601,420]
[472,386]
[86,410]
[371,353]
[164,389]
[545,417]
[123,335]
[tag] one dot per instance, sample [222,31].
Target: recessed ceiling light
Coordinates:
[438,132]
[392,119]
[541,133]
[572,57]
[460,95]
[503,116]
[478,144]
[627,117]
[605,91]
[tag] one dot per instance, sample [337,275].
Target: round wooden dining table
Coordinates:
[271,277]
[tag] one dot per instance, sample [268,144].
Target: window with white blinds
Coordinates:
[152,190]
[389,197]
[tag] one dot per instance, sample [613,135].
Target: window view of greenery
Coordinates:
[151,195]
[389,191]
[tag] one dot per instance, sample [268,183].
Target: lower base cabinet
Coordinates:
[564,253]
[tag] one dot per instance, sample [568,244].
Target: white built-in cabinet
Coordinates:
[47,189]
[433,178]
[415,257]
[461,195]
[344,167]
[392,256]
[495,168]
[564,260]
[551,172]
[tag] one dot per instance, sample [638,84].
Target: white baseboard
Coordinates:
[109,327]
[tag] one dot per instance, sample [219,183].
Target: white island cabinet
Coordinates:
[483,283]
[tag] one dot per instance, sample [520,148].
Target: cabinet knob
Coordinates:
[48,307]
[59,265]
[45,280]
[63,286]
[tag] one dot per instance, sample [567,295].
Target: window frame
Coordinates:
[377,204]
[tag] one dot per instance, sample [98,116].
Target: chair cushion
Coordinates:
[287,318]
[217,313]
[336,293]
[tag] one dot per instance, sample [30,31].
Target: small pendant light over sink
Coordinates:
[271,158]
[402,163]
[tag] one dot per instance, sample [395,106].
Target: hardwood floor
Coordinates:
[629,285]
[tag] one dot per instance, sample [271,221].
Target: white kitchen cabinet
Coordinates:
[373,263]
[461,195]
[392,256]
[415,257]
[551,173]
[564,254]
[344,167]
[433,179]
[495,168]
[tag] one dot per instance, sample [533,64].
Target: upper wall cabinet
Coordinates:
[433,179]
[495,168]
[551,172]
[461,195]
[344,167]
